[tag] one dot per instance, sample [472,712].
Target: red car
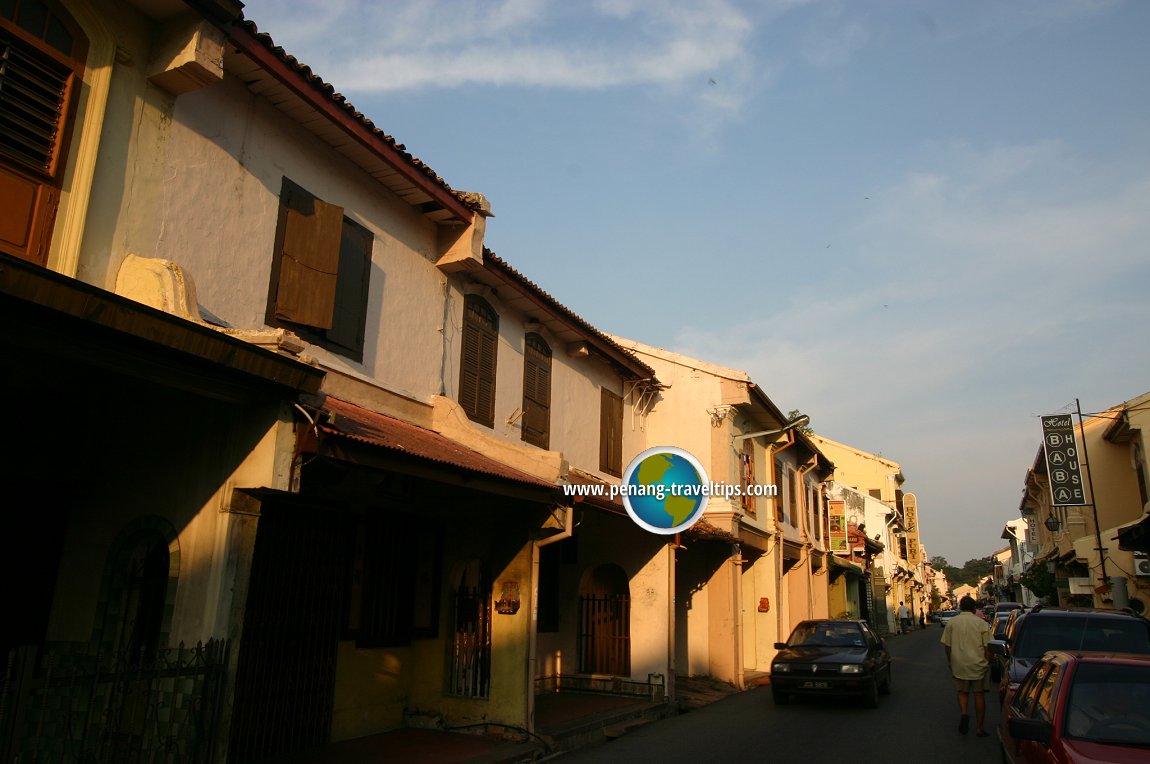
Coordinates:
[1077,707]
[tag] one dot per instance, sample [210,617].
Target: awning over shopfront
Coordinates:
[46,314]
[1135,536]
[404,447]
[839,566]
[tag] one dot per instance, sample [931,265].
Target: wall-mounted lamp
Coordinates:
[797,422]
[1052,523]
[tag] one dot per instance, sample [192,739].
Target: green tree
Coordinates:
[1040,581]
[794,414]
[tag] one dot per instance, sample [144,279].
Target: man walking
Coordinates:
[965,638]
[904,617]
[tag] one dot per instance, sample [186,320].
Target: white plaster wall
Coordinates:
[199,185]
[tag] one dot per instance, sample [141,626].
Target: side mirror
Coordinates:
[780,645]
[1030,729]
[997,647]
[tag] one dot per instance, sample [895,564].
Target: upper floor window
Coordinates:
[477,362]
[536,391]
[320,275]
[781,497]
[41,62]
[747,475]
[611,433]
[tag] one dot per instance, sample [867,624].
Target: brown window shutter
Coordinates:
[477,365]
[611,433]
[39,68]
[747,460]
[536,391]
[309,251]
[350,314]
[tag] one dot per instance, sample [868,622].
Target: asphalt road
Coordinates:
[917,722]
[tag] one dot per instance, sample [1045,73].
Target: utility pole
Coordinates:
[1093,499]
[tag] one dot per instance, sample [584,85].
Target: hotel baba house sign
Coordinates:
[1062,463]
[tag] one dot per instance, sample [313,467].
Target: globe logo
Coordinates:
[664,490]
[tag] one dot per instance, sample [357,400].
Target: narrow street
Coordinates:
[917,722]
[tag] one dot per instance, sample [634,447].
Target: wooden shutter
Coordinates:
[350,313]
[747,463]
[611,433]
[477,362]
[308,243]
[40,63]
[536,391]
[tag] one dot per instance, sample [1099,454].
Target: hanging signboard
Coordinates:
[837,509]
[1063,466]
[910,522]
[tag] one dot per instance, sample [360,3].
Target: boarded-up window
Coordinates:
[477,364]
[320,278]
[41,63]
[536,391]
[611,434]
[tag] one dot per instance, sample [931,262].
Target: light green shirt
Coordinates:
[966,635]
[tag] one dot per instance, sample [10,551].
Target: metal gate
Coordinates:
[67,702]
[285,674]
[471,645]
[605,634]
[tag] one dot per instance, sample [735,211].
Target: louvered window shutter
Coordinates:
[40,64]
[477,363]
[611,433]
[536,391]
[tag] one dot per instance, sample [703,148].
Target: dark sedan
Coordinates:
[831,658]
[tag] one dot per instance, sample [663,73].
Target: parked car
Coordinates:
[1032,634]
[831,657]
[1079,707]
[944,617]
[998,631]
[1008,606]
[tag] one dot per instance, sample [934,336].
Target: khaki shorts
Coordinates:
[973,685]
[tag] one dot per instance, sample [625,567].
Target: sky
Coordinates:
[923,223]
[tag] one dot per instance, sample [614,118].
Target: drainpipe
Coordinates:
[533,636]
[737,596]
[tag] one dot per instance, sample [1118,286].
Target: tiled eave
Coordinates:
[268,71]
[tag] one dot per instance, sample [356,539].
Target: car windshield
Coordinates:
[1082,633]
[1110,703]
[826,635]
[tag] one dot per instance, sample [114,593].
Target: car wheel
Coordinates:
[780,698]
[885,688]
[870,694]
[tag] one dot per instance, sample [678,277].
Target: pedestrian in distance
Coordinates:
[903,617]
[965,638]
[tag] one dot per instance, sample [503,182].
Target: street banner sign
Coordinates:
[910,522]
[1063,466]
[837,509]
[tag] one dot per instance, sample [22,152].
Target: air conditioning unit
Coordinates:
[1141,564]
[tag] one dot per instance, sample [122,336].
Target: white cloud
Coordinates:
[369,47]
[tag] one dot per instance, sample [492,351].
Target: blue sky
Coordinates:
[922,223]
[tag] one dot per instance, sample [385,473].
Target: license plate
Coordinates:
[814,685]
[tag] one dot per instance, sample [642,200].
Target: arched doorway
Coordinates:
[605,622]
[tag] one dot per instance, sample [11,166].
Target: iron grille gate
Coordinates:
[471,645]
[605,634]
[285,672]
[65,703]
